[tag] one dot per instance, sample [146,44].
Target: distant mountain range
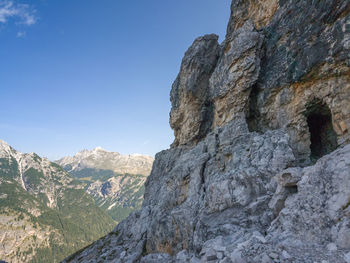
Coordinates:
[99,158]
[42,207]
[115,181]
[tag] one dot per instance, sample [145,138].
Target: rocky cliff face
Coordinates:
[260,167]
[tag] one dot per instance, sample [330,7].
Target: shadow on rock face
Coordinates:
[322,135]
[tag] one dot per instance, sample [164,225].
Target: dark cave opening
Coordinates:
[322,135]
[291,189]
[253,113]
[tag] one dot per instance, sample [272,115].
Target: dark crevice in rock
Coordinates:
[202,171]
[322,135]
[202,175]
[252,111]
[292,189]
[207,120]
[144,249]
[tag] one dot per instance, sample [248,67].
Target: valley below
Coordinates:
[115,181]
[48,213]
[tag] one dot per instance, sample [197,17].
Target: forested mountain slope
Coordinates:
[45,214]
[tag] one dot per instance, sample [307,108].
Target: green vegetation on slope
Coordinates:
[59,230]
[120,204]
[93,174]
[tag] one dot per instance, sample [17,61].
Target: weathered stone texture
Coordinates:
[287,108]
[199,188]
[318,212]
[191,108]
[306,56]
[237,71]
[259,11]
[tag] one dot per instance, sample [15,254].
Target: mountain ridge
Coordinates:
[41,206]
[122,164]
[115,181]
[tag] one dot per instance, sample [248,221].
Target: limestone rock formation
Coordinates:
[260,167]
[236,73]
[191,108]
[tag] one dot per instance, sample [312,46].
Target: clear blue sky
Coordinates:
[85,73]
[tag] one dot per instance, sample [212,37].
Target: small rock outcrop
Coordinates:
[236,73]
[191,107]
[260,167]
